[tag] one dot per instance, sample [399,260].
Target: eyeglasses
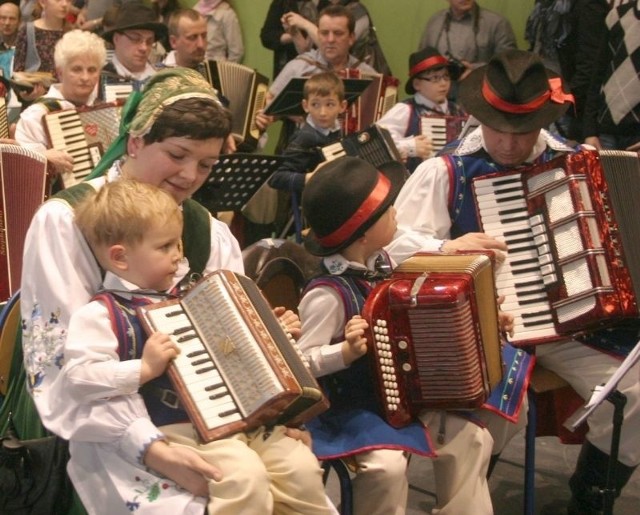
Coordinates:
[436,78]
[138,39]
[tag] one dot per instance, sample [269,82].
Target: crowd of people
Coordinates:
[131,235]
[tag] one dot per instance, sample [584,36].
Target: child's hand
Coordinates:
[505,320]
[355,345]
[289,321]
[158,350]
[424,146]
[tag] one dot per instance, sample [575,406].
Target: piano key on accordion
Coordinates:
[246,90]
[433,335]
[571,229]
[85,133]
[442,129]
[374,145]
[24,185]
[237,369]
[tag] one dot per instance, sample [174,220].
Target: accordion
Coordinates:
[4,120]
[433,338]
[571,227]
[442,129]
[246,90]
[85,133]
[374,145]
[237,368]
[24,185]
[380,96]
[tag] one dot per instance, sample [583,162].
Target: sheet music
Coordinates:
[601,392]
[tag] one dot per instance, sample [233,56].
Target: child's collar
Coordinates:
[325,132]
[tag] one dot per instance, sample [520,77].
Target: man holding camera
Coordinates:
[468,34]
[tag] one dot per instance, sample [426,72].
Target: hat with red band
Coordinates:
[425,59]
[514,93]
[345,198]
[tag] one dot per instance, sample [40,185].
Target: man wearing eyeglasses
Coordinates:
[430,78]
[133,35]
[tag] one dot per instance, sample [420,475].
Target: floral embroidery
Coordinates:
[43,341]
[150,490]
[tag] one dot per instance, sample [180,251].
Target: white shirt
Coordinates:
[60,276]
[322,313]
[422,206]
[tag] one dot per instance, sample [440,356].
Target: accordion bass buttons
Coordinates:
[384,356]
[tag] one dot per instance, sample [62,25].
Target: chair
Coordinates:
[546,389]
[344,479]
[280,268]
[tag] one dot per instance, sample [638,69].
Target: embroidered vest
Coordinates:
[131,339]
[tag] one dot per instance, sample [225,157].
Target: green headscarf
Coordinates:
[142,108]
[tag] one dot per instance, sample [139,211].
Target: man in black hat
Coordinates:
[133,35]
[514,97]
[430,78]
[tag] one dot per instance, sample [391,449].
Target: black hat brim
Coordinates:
[471,99]
[397,175]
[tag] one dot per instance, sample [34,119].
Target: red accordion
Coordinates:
[433,335]
[24,185]
[571,227]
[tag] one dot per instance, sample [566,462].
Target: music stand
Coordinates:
[289,101]
[235,179]
[608,392]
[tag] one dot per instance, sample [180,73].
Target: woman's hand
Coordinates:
[182,465]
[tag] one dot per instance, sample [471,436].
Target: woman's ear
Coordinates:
[134,145]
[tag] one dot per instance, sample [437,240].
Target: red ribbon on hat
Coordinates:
[554,93]
[373,201]
[436,60]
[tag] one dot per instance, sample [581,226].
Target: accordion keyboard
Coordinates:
[198,371]
[522,277]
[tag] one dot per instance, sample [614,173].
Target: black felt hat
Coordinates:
[426,59]
[514,93]
[136,15]
[345,198]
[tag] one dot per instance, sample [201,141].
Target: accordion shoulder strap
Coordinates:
[196,236]
[346,288]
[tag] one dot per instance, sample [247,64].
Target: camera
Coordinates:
[456,67]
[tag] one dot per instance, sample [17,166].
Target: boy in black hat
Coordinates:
[514,97]
[348,205]
[430,78]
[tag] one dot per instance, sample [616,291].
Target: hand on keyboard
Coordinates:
[476,241]
[158,350]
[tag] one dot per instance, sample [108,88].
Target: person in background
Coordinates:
[468,34]
[612,110]
[286,41]
[79,57]
[188,39]
[224,34]
[323,102]
[9,25]
[36,40]
[133,35]
[430,79]
[515,97]
[567,35]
